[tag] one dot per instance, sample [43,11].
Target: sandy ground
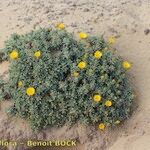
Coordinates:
[129,21]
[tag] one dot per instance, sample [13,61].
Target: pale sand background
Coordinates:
[125,19]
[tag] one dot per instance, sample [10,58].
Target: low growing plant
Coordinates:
[55,79]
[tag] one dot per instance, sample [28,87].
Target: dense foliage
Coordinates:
[55,79]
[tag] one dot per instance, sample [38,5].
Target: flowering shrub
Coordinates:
[55,79]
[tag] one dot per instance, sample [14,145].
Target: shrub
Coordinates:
[55,79]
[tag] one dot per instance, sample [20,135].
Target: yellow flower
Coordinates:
[126,65]
[83,35]
[101,126]
[30,91]
[111,40]
[60,26]
[75,74]
[98,54]
[97,97]
[14,54]
[108,103]
[20,83]
[37,54]
[82,65]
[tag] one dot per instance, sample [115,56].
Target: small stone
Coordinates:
[46,11]
[86,10]
[147,31]
[133,30]
[74,5]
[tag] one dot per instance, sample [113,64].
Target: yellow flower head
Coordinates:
[20,83]
[101,126]
[83,35]
[75,74]
[97,97]
[14,54]
[30,91]
[37,54]
[111,40]
[60,26]
[108,103]
[126,65]
[98,54]
[82,65]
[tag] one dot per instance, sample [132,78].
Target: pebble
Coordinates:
[147,31]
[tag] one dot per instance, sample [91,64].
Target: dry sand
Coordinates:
[125,19]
